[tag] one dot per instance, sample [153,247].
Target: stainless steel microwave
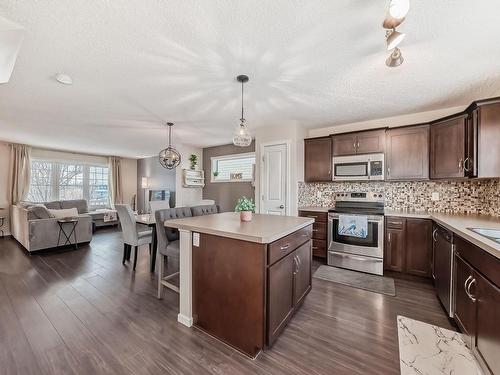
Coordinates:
[358,167]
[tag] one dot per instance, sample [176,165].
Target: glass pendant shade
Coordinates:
[395,59]
[169,158]
[242,136]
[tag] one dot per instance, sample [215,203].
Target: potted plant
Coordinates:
[245,207]
[216,173]
[193,159]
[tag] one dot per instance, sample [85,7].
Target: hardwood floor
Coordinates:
[82,312]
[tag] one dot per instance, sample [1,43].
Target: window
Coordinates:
[51,180]
[233,168]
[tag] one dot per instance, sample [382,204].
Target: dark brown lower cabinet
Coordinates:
[408,245]
[464,305]
[280,294]
[289,282]
[319,234]
[477,302]
[394,250]
[487,332]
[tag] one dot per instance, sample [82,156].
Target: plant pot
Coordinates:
[246,215]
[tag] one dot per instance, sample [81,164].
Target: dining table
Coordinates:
[149,221]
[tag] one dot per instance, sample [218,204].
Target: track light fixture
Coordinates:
[395,15]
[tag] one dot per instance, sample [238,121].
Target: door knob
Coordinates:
[282,206]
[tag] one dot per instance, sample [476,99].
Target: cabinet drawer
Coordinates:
[319,231]
[395,222]
[485,263]
[319,217]
[319,248]
[278,249]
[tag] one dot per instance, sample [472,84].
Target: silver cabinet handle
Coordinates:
[315,216]
[473,281]
[354,145]
[281,206]
[465,284]
[434,232]
[284,247]
[466,164]
[389,237]
[315,230]
[296,261]
[388,170]
[460,164]
[315,247]
[357,146]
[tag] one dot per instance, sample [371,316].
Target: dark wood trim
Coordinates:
[359,131]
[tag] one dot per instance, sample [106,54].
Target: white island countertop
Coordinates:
[262,228]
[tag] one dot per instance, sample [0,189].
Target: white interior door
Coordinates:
[274,179]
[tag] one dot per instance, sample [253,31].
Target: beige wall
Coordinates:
[185,196]
[4,182]
[129,179]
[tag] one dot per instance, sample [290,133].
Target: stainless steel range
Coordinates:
[361,253]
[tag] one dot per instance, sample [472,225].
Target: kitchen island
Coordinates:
[241,282]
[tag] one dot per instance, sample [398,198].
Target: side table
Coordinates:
[71,225]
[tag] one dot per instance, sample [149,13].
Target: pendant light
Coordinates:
[242,137]
[169,158]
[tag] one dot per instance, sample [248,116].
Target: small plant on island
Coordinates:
[245,207]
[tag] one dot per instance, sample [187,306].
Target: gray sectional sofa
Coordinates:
[33,228]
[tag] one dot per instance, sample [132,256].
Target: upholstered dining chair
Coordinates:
[132,233]
[168,243]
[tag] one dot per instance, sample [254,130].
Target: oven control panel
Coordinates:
[369,196]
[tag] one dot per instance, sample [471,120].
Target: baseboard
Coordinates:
[183,319]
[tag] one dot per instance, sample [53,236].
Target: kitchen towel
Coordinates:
[354,226]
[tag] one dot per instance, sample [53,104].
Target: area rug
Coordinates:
[360,280]
[429,349]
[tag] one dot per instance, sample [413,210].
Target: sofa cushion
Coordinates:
[61,214]
[38,211]
[79,204]
[55,205]
[204,210]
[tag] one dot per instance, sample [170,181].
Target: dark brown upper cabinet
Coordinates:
[407,153]
[484,134]
[367,142]
[318,159]
[450,155]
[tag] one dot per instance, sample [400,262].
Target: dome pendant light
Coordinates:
[169,158]
[242,137]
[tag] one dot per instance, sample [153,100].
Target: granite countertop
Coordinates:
[460,224]
[262,228]
[315,208]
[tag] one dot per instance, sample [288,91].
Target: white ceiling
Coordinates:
[137,63]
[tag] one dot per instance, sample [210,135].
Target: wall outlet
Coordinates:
[318,194]
[435,196]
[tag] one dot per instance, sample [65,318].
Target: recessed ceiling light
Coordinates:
[394,38]
[64,79]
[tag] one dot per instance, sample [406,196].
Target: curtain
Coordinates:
[20,159]
[115,180]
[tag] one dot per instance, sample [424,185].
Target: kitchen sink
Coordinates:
[492,234]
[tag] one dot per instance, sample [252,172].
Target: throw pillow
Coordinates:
[39,211]
[61,214]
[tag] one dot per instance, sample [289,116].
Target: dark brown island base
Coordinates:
[247,280]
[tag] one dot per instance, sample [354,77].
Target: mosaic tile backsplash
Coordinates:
[469,196]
